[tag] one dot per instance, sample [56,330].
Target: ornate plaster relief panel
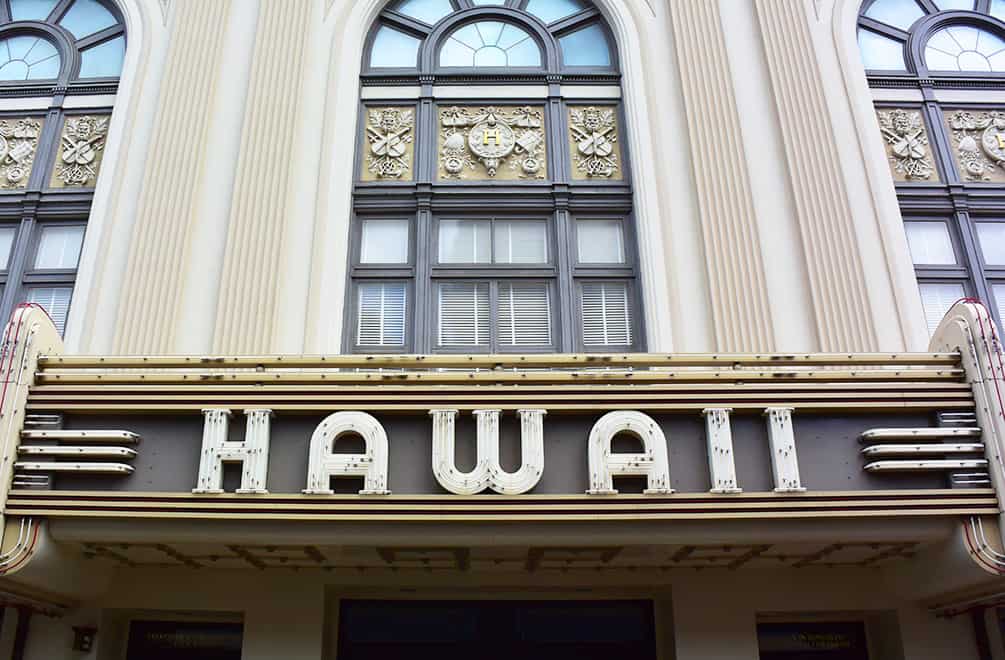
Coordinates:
[593,143]
[505,143]
[389,149]
[907,144]
[81,147]
[18,146]
[978,143]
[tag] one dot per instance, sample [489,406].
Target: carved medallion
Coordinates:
[593,140]
[978,144]
[389,132]
[492,143]
[18,144]
[907,144]
[81,146]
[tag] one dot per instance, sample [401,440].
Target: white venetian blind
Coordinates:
[524,314]
[380,319]
[937,298]
[606,312]
[463,314]
[55,301]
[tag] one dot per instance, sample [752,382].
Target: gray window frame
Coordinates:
[37,204]
[558,198]
[953,200]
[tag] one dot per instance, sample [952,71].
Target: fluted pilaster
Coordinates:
[836,276]
[249,290]
[738,292]
[173,170]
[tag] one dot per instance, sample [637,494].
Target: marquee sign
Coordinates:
[473,437]
[652,462]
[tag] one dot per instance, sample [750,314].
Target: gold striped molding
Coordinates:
[562,383]
[529,508]
[507,361]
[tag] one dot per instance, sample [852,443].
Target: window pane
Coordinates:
[937,298]
[998,9]
[521,242]
[965,48]
[55,301]
[930,243]
[427,11]
[586,47]
[550,11]
[103,60]
[524,314]
[880,52]
[490,44]
[7,235]
[999,293]
[465,242]
[606,312]
[381,314]
[28,58]
[955,5]
[992,239]
[384,241]
[600,242]
[59,247]
[31,10]
[394,49]
[898,13]
[87,17]
[463,314]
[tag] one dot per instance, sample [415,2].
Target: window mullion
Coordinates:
[18,265]
[973,259]
[59,10]
[494,316]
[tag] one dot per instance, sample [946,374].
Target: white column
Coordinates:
[721,461]
[784,462]
[252,452]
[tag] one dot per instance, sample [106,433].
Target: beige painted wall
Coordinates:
[206,239]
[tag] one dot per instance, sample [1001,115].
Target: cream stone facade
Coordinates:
[808,467]
[779,250]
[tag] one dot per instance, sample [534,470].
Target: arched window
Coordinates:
[936,69]
[493,201]
[60,62]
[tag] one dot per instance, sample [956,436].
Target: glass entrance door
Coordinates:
[494,630]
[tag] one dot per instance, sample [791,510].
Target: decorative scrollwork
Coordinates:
[979,138]
[492,137]
[389,132]
[82,142]
[904,132]
[18,144]
[594,131]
